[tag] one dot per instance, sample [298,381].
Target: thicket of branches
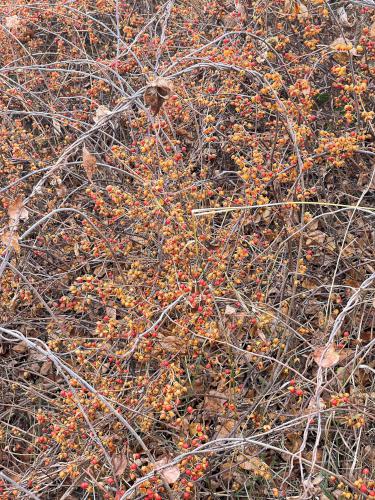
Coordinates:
[187,249]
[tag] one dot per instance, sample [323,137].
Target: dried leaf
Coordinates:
[229,310]
[230,472]
[315,405]
[157,93]
[308,455]
[326,357]
[302,12]
[56,126]
[10,238]
[99,271]
[226,428]
[293,442]
[342,48]
[46,368]
[309,284]
[101,112]
[343,17]
[317,237]
[171,343]
[230,22]
[61,191]
[110,312]
[17,211]
[36,356]
[119,463]
[184,133]
[241,10]
[20,347]
[345,355]
[88,163]
[289,6]
[214,402]
[169,474]
[253,464]
[12,22]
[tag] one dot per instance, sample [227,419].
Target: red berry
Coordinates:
[366,471]
[133,467]
[190,409]
[334,402]
[299,392]
[84,485]
[364,488]
[372,493]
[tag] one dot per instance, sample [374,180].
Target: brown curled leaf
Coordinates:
[157,92]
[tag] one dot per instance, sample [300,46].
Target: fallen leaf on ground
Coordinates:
[345,355]
[171,343]
[325,357]
[214,402]
[119,463]
[226,428]
[20,347]
[308,455]
[253,464]
[293,442]
[317,237]
[46,368]
[169,474]
[229,471]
